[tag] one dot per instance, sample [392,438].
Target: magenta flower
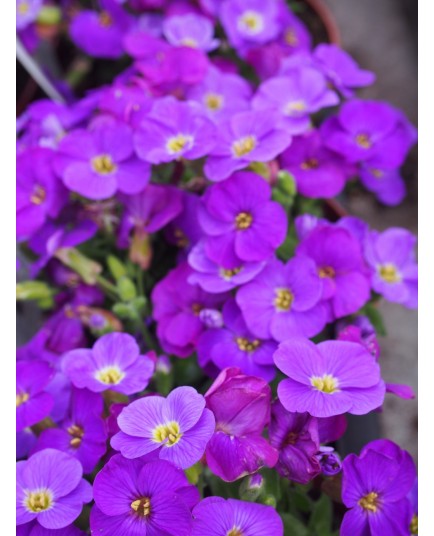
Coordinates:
[82,433]
[247,137]
[241,406]
[318,172]
[33,402]
[327,379]
[215,516]
[240,221]
[190,30]
[98,163]
[284,301]
[113,363]
[390,255]
[295,97]
[177,427]
[174,130]
[35,529]
[50,489]
[375,487]
[133,497]
[233,345]
[339,263]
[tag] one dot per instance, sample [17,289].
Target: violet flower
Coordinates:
[113,363]
[190,30]
[386,184]
[33,402]
[327,379]
[27,12]
[177,427]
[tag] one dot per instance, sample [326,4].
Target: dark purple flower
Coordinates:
[284,300]
[190,30]
[132,497]
[331,378]
[341,70]
[329,461]
[215,516]
[252,136]
[387,184]
[176,308]
[25,441]
[240,221]
[183,231]
[339,263]
[50,489]
[177,427]
[241,406]
[295,97]
[98,163]
[390,255]
[234,346]
[82,433]
[318,172]
[374,487]
[113,363]
[33,402]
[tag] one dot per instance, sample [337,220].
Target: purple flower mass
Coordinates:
[133,497]
[190,30]
[34,403]
[113,363]
[177,427]
[331,378]
[50,489]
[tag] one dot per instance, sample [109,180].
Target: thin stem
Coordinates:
[108,287]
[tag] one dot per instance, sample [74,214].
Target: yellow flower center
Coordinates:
[110,375]
[247,346]
[363,141]
[189,42]
[295,106]
[103,164]
[251,21]
[326,384]
[38,195]
[310,163]
[105,19]
[38,501]
[235,531]
[243,146]
[142,506]
[243,221]
[181,240]
[21,398]
[378,174]
[228,274]
[369,502]
[326,272]
[291,439]
[283,300]
[170,431]
[414,525]
[77,433]
[291,37]
[196,308]
[178,143]
[389,273]
[214,101]
[23,8]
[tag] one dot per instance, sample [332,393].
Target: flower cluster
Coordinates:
[173,226]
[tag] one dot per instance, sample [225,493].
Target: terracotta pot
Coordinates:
[325,15]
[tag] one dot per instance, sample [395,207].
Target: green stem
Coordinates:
[147,337]
[108,287]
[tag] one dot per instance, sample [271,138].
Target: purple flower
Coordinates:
[176,308]
[35,529]
[101,34]
[40,194]
[341,70]
[240,221]
[387,184]
[25,441]
[355,334]
[390,255]
[234,346]
[296,437]
[327,379]
[190,30]
[177,427]
[27,11]
[295,97]
[183,231]
[113,363]
[221,94]
[215,516]
[318,172]
[247,137]
[295,37]
[339,263]
[98,163]
[284,301]
[50,489]
[249,22]
[174,130]
[33,402]
[82,433]
[133,497]
[241,406]
[374,487]
[329,461]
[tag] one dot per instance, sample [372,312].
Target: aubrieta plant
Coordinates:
[207,324]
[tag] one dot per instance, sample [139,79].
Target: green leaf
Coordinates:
[293,526]
[116,267]
[127,289]
[375,317]
[320,523]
